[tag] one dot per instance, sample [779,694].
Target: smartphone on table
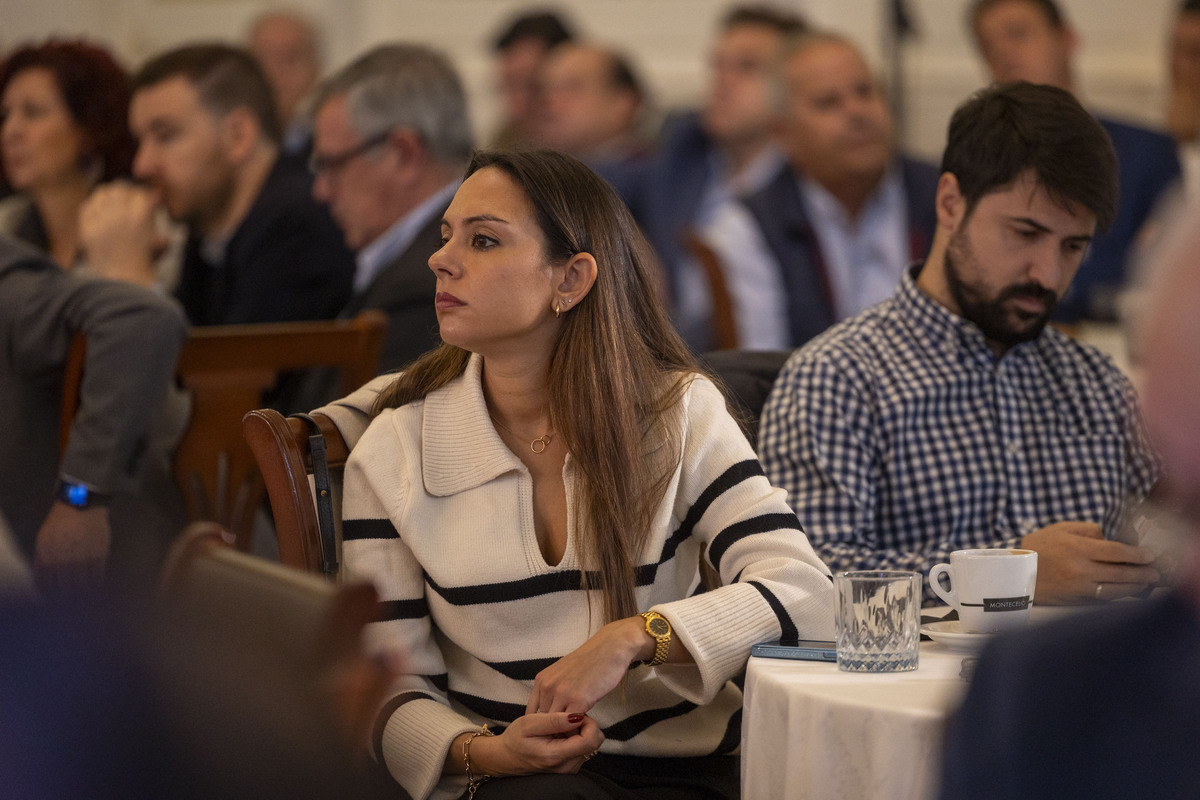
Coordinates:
[802,649]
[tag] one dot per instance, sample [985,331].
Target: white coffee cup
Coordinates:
[992,589]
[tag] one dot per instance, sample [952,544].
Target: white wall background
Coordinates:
[1121,65]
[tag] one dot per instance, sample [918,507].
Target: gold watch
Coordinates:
[658,627]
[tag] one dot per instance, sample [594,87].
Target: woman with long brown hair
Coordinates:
[533,501]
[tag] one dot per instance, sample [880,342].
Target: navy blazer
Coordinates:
[404,290]
[781,217]
[1101,705]
[664,192]
[1147,165]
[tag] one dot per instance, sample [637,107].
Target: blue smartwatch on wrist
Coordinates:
[79,495]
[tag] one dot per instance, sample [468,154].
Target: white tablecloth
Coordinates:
[811,731]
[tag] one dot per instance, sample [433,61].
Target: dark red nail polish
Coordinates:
[575,719]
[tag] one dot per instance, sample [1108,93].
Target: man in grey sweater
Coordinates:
[110,490]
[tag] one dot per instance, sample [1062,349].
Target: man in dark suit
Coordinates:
[391,139]
[709,159]
[836,226]
[1031,40]
[258,248]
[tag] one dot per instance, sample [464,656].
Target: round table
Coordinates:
[812,731]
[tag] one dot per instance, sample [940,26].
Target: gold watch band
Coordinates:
[658,627]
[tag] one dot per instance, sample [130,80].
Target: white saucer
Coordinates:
[951,634]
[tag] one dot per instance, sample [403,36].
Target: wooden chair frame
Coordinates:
[254,596]
[284,455]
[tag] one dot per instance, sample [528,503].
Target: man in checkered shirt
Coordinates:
[950,416]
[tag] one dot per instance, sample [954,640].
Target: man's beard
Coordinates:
[999,323]
[210,201]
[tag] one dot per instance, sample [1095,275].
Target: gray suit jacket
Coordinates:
[404,291]
[133,340]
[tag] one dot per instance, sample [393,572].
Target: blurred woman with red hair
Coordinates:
[63,129]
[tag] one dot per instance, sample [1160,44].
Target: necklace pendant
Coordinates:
[540,444]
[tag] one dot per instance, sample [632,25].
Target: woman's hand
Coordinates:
[535,743]
[578,680]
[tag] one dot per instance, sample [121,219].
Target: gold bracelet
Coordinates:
[474,783]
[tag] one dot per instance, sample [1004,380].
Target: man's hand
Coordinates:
[119,232]
[71,550]
[1074,558]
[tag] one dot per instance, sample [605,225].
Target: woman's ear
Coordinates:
[579,276]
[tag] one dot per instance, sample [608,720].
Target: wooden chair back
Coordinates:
[294,617]
[724,328]
[283,451]
[226,369]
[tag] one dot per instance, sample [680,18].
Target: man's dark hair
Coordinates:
[544,26]
[1189,7]
[784,22]
[1048,8]
[224,77]
[1008,129]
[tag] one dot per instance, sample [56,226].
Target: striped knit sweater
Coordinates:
[438,514]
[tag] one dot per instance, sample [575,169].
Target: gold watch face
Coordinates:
[658,626]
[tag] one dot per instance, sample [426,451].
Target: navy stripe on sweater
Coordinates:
[630,727]
[787,628]
[390,610]
[368,529]
[521,670]
[489,709]
[742,471]
[763,523]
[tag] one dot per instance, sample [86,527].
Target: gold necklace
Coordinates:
[538,445]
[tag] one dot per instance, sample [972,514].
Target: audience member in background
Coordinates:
[1104,705]
[65,111]
[520,49]
[288,48]
[951,416]
[258,249]
[486,480]
[1183,101]
[592,105]
[709,159]
[111,490]
[392,137]
[834,229]
[1031,40]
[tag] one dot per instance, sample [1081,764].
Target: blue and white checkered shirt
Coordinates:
[900,437]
